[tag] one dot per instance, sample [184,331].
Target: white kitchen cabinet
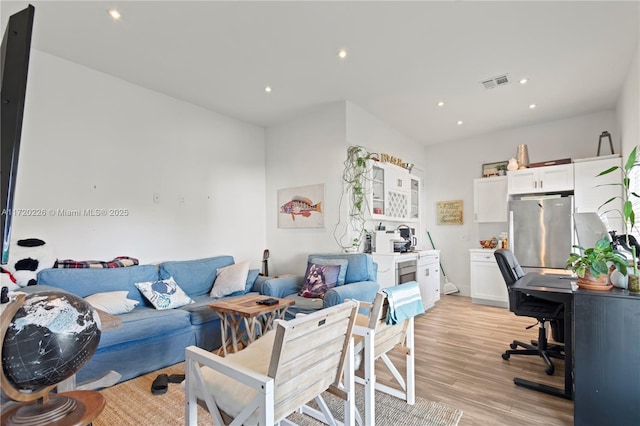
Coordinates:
[414,199]
[428,277]
[487,284]
[490,199]
[591,190]
[394,193]
[541,179]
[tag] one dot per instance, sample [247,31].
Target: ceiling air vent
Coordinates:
[500,80]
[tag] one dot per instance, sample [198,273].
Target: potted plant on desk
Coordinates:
[627,213]
[592,265]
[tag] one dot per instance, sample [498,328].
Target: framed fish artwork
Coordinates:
[301,207]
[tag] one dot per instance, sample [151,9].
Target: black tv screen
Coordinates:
[16,46]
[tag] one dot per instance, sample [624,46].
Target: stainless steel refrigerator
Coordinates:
[541,231]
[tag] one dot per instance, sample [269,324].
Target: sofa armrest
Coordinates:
[281,287]
[362,290]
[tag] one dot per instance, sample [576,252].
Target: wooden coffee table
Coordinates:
[257,319]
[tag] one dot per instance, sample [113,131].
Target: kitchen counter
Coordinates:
[408,255]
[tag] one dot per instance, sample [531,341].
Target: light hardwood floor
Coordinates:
[458,362]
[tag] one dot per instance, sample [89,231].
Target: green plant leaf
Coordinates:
[609,170]
[631,161]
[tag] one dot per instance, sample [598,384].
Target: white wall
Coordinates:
[311,150]
[628,108]
[93,141]
[451,168]
[366,130]
[306,151]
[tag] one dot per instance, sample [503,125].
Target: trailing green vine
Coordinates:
[355,183]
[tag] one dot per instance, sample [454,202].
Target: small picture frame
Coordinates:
[494,169]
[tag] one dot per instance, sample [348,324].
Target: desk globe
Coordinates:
[45,338]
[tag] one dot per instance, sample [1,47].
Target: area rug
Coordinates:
[131,403]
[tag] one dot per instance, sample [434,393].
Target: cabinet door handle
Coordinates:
[535,184]
[426,272]
[400,183]
[540,184]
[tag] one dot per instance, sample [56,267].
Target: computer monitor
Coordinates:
[589,229]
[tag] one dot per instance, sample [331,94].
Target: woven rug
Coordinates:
[131,403]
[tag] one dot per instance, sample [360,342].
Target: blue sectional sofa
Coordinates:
[149,339]
[360,283]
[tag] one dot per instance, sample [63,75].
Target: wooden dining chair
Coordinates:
[374,339]
[279,373]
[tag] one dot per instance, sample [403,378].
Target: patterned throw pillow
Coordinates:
[318,279]
[164,294]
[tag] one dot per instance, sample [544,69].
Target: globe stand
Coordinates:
[47,411]
[41,407]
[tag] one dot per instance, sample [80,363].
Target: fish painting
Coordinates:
[300,205]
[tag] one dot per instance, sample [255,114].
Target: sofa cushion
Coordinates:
[84,282]
[145,323]
[230,279]
[164,294]
[194,276]
[343,263]
[252,277]
[112,302]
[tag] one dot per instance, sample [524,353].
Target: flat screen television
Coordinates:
[16,46]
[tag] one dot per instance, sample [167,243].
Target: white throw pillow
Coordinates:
[112,302]
[230,279]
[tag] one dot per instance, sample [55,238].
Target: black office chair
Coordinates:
[522,304]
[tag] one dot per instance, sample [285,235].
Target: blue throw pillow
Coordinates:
[318,279]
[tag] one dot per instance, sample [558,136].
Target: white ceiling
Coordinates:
[404,57]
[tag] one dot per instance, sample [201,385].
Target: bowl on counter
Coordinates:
[490,244]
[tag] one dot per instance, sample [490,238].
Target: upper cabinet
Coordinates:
[541,179]
[490,199]
[414,198]
[395,193]
[591,190]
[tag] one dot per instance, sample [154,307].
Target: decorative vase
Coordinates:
[589,282]
[523,156]
[513,164]
[634,284]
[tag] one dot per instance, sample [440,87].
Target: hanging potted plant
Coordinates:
[355,177]
[628,215]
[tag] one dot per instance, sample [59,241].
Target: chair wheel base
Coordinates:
[505,356]
[513,346]
[550,370]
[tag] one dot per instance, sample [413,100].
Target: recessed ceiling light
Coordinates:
[115,14]
[532,106]
[440,103]
[459,122]
[523,81]
[342,53]
[267,89]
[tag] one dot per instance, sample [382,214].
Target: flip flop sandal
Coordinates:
[176,378]
[160,384]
